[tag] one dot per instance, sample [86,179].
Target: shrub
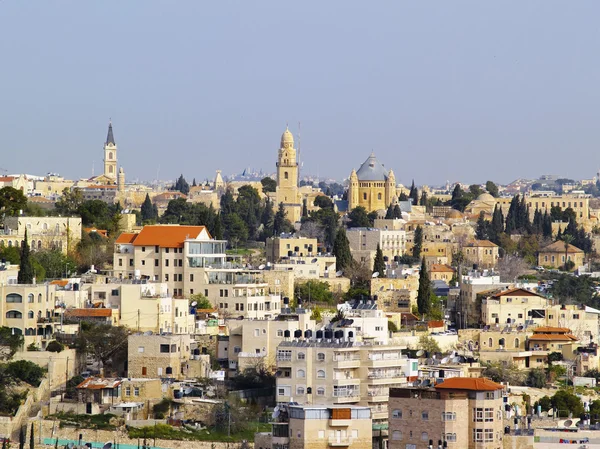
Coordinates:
[55,346]
[392,326]
[26,371]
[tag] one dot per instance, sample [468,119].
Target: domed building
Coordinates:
[372,186]
[483,203]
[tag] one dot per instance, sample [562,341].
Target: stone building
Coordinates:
[157,356]
[364,242]
[287,191]
[482,253]
[43,233]
[553,255]
[372,186]
[463,412]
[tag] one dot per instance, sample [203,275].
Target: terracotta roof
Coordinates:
[99,383]
[102,232]
[167,236]
[440,268]
[564,330]
[6,178]
[559,247]
[553,337]
[59,282]
[126,237]
[481,243]
[469,383]
[89,313]
[435,323]
[516,292]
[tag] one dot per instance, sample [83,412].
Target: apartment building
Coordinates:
[256,341]
[468,308]
[460,412]
[318,427]
[554,255]
[29,310]
[396,294]
[332,368]
[364,242]
[189,261]
[288,245]
[157,356]
[440,272]
[514,306]
[61,233]
[482,253]
[309,267]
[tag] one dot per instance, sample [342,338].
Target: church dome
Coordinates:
[454,214]
[372,170]
[486,198]
[287,137]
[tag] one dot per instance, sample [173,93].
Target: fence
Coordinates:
[63,443]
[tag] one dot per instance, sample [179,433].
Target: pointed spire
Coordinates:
[110,139]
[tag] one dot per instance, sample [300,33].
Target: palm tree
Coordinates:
[567,239]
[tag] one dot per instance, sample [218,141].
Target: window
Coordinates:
[143,249]
[191,277]
[127,391]
[321,434]
[379,196]
[320,374]
[301,356]
[14,314]
[30,314]
[489,415]
[14,297]
[575,316]
[424,436]
[364,195]
[300,390]
[396,435]
[156,262]
[489,395]
[166,278]
[144,370]
[237,350]
[488,434]
[136,391]
[425,415]
[164,349]
[156,249]
[140,349]
[40,298]
[166,262]
[320,356]
[450,437]
[257,332]
[320,391]
[30,298]
[478,435]
[281,392]
[397,414]
[280,334]
[300,373]
[448,416]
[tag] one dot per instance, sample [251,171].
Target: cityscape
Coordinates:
[303,290]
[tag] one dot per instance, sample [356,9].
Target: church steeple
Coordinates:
[110,139]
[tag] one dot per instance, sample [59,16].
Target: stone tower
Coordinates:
[121,180]
[353,191]
[110,155]
[287,178]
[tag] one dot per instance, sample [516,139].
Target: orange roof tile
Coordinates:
[564,330]
[553,337]
[89,313]
[126,237]
[435,323]
[469,383]
[59,282]
[516,292]
[167,236]
[6,179]
[440,268]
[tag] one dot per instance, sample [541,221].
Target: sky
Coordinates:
[448,90]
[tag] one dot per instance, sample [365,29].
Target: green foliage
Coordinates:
[32,347]
[357,292]
[492,189]
[566,402]
[554,357]
[202,301]
[424,292]
[10,401]
[26,272]
[161,409]
[93,422]
[149,211]
[14,342]
[24,370]
[258,376]
[324,202]
[316,315]
[460,199]
[575,290]
[436,312]
[166,432]
[103,341]
[379,263]
[536,378]
[71,388]
[545,403]
[69,202]
[181,185]
[12,201]
[341,250]
[417,243]
[55,263]
[392,326]
[55,346]
[281,223]
[313,291]
[268,184]
[359,218]
[429,345]
[327,219]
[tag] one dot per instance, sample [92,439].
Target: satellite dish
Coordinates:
[445,360]
[568,423]
[315,260]
[275,413]
[420,353]
[107,445]
[339,273]
[194,304]
[520,328]
[187,391]
[374,275]
[261,266]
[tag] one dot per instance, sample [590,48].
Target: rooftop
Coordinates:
[559,247]
[100,383]
[469,383]
[165,236]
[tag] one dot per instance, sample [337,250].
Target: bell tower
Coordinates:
[287,177]
[110,154]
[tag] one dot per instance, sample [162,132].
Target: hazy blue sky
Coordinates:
[446,90]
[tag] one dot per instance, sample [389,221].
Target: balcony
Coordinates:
[384,361]
[345,397]
[339,422]
[343,381]
[346,362]
[340,441]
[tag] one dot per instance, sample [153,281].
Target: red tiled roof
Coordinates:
[126,237]
[516,292]
[435,323]
[437,268]
[99,383]
[59,282]
[469,383]
[167,236]
[564,330]
[89,313]
[553,337]
[6,178]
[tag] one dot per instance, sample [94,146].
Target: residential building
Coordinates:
[516,307]
[99,394]
[157,356]
[316,427]
[482,253]
[311,267]
[554,254]
[372,186]
[439,272]
[473,285]
[396,294]
[364,242]
[288,246]
[459,412]
[61,233]
[189,261]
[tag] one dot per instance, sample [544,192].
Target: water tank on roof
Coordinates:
[339,334]
[329,334]
[307,333]
[298,333]
[286,334]
[320,335]
[286,300]
[196,351]
[350,334]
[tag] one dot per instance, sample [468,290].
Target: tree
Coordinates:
[424,292]
[417,243]
[55,264]
[565,402]
[403,197]
[217,232]
[182,185]
[26,273]
[414,194]
[10,340]
[281,224]
[475,190]
[429,345]
[389,214]
[268,184]
[510,267]
[379,263]
[324,202]
[341,250]
[536,378]
[69,202]
[55,346]
[492,189]
[423,200]
[12,201]
[392,326]
[103,341]
[202,302]
[359,218]
[496,228]
[482,231]
[313,291]
[567,239]
[148,211]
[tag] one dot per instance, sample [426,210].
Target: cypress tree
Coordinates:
[512,217]
[379,263]
[559,234]
[547,225]
[424,292]
[482,231]
[26,274]
[397,211]
[218,228]
[390,212]
[414,194]
[147,209]
[423,200]
[538,222]
[304,209]
[418,243]
[194,183]
[497,226]
[341,250]
[403,197]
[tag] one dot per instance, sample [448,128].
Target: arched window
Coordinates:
[39,244]
[14,314]
[300,373]
[30,298]
[517,342]
[57,228]
[501,342]
[379,196]
[30,314]
[110,169]
[14,297]
[10,243]
[285,175]
[320,391]
[39,298]
[364,195]
[300,391]
[279,333]
[396,435]
[320,356]
[490,342]
[45,226]
[301,356]
[321,374]
[110,155]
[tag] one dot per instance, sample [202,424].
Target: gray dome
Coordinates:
[372,170]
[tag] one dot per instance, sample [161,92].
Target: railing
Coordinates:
[386,375]
[252,354]
[340,440]
[392,356]
[346,393]
[345,358]
[382,392]
[283,358]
